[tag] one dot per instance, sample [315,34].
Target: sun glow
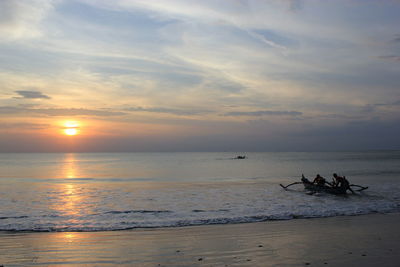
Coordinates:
[71,131]
[71,128]
[71,124]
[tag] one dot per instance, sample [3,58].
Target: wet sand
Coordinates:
[368,240]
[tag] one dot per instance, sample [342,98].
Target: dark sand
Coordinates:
[368,240]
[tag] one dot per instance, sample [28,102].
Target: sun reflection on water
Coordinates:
[71,195]
[69,166]
[70,201]
[69,236]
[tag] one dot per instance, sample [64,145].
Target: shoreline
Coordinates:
[357,240]
[191,225]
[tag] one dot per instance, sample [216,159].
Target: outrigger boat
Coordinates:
[313,188]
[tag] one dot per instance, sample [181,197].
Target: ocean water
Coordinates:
[116,191]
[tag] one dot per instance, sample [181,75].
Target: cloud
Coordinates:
[21,19]
[294,5]
[181,112]
[223,84]
[391,57]
[273,39]
[30,126]
[32,95]
[339,116]
[263,112]
[373,107]
[11,110]
[60,111]
[396,38]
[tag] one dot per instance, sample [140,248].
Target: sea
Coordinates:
[119,191]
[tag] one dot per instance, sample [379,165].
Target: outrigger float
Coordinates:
[314,188]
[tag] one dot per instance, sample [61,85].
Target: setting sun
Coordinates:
[71,131]
[71,128]
[71,124]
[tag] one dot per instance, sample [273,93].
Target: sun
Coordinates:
[71,128]
[71,124]
[71,131]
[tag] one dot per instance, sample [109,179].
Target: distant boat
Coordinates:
[240,157]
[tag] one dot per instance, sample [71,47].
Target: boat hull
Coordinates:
[326,189]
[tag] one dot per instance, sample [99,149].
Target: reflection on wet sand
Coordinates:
[280,243]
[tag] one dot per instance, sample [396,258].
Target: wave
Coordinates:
[14,217]
[137,211]
[185,223]
[196,210]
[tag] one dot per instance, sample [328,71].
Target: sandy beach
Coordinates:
[367,240]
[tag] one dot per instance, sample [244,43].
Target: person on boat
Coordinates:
[304,179]
[319,180]
[339,181]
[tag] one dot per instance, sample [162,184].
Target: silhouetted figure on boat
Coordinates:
[319,180]
[341,182]
[338,180]
[305,180]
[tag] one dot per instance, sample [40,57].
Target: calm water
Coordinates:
[111,191]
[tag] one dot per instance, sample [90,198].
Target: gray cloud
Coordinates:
[181,112]
[32,95]
[30,126]
[372,107]
[390,57]
[339,116]
[10,110]
[224,85]
[60,111]
[396,38]
[263,112]
[294,5]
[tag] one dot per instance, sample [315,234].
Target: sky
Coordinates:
[189,75]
